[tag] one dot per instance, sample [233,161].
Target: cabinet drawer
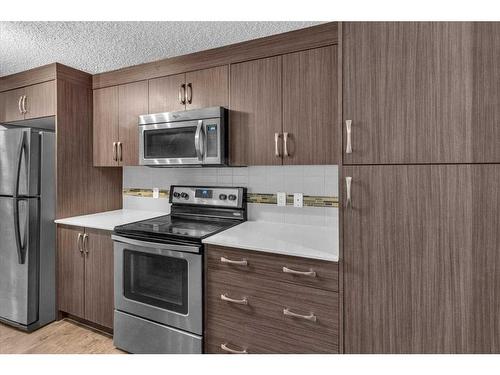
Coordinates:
[256,340]
[272,266]
[264,312]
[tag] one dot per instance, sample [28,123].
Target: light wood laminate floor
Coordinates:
[61,337]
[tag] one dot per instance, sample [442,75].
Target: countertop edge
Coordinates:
[207,241]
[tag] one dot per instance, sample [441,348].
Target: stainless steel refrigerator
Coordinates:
[27,229]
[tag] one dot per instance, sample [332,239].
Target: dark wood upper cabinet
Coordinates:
[40,100]
[10,105]
[207,88]
[310,114]
[116,118]
[197,89]
[71,270]
[105,126]
[255,116]
[421,92]
[29,102]
[99,283]
[421,259]
[132,102]
[166,94]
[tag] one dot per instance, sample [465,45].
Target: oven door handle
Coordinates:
[199,143]
[157,245]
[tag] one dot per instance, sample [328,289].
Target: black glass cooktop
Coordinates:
[192,229]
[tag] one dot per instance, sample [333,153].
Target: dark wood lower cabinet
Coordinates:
[99,297]
[256,308]
[422,259]
[71,271]
[85,283]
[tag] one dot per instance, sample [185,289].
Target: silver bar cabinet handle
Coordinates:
[115,158]
[234,351]
[348,147]
[311,317]
[85,243]
[189,93]
[243,301]
[120,152]
[285,146]
[243,262]
[19,105]
[348,181]
[79,243]
[182,94]
[276,149]
[301,273]
[24,104]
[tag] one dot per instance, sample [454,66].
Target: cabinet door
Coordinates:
[105,126]
[40,100]
[70,271]
[99,297]
[208,88]
[133,102]
[310,115]
[421,92]
[255,116]
[422,259]
[10,105]
[166,94]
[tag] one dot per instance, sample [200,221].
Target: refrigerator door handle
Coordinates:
[21,245]
[20,150]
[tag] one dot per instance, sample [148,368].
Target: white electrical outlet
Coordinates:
[298,200]
[156,193]
[281,199]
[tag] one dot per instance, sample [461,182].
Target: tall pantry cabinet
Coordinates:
[421,216]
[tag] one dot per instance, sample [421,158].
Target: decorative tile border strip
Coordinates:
[257,198]
[144,193]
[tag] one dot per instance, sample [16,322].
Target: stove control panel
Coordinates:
[231,197]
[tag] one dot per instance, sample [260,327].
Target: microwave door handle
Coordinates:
[198,141]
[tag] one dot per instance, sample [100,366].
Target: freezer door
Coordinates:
[19,162]
[19,258]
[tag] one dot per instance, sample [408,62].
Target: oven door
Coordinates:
[160,282]
[196,142]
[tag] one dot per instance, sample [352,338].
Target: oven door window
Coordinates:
[156,280]
[171,143]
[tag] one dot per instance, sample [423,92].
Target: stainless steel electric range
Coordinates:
[158,267]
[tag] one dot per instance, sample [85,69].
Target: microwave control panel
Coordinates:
[212,140]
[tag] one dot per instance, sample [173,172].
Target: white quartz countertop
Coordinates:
[109,219]
[288,239]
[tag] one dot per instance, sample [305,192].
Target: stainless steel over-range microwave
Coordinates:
[196,137]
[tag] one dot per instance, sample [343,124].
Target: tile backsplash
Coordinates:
[311,180]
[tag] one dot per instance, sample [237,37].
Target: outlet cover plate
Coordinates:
[298,200]
[281,199]
[156,193]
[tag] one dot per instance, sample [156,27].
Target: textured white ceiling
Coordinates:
[97,47]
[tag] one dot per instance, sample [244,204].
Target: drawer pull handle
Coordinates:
[243,301]
[234,351]
[311,317]
[301,273]
[237,262]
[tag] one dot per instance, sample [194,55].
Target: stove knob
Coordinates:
[222,197]
[232,197]
[185,195]
[176,195]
